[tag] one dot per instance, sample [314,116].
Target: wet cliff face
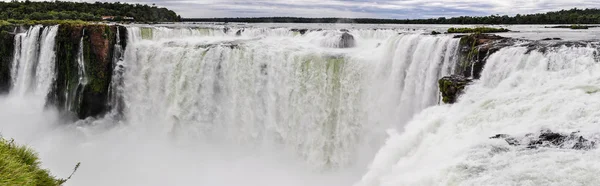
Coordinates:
[6,53]
[78,45]
[89,100]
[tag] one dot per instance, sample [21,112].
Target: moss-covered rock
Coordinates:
[475,49]
[451,87]
[90,99]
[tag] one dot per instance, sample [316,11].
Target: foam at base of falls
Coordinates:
[520,92]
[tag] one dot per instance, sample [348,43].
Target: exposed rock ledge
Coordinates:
[549,139]
[452,86]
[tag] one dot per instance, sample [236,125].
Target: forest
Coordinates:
[64,10]
[572,16]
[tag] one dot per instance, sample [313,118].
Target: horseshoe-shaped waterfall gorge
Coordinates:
[288,105]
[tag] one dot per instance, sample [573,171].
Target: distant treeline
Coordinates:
[573,16]
[63,10]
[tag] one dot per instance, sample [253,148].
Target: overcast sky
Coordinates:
[362,8]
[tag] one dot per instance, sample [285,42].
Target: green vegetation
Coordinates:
[64,10]
[477,30]
[20,165]
[572,16]
[43,22]
[452,87]
[579,27]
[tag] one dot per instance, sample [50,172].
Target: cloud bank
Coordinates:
[400,9]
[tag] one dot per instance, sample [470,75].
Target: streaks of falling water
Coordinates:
[315,102]
[33,63]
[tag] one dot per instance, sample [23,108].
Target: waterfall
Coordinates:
[115,91]
[521,91]
[322,104]
[33,63]
[75,96]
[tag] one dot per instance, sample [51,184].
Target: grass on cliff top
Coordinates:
[477,30]
[44,22]
[19,165]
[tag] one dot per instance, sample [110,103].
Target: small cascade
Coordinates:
[33,62]
[25,60]
[115,91]
[75,96]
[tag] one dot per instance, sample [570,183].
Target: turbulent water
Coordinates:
[520,92]
[272,106]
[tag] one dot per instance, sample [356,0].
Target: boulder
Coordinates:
[452,86]
[346,41]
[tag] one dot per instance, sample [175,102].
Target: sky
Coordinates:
[398,9]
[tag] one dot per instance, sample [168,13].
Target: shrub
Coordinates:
[20,165]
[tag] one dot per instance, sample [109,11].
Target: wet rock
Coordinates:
[90,100]
[301,31]
[549,139]
[452,87]
[475,49]
[239,33]
[346,41]
[344,30]
[435,33]
[550,39]
[6,54]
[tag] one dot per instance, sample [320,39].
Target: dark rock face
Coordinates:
[549,139]
[7,44]
[346,41]
[475,49]
[550,39]
[98,45]
[239,33]
[452,86]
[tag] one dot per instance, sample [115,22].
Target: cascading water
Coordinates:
[75,96]
[115,91]
[521,91]
[280,107]
[314,101]
[33,63]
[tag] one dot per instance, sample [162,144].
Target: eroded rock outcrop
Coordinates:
[346,41]
[452,87]
[549,139]
[475,49]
